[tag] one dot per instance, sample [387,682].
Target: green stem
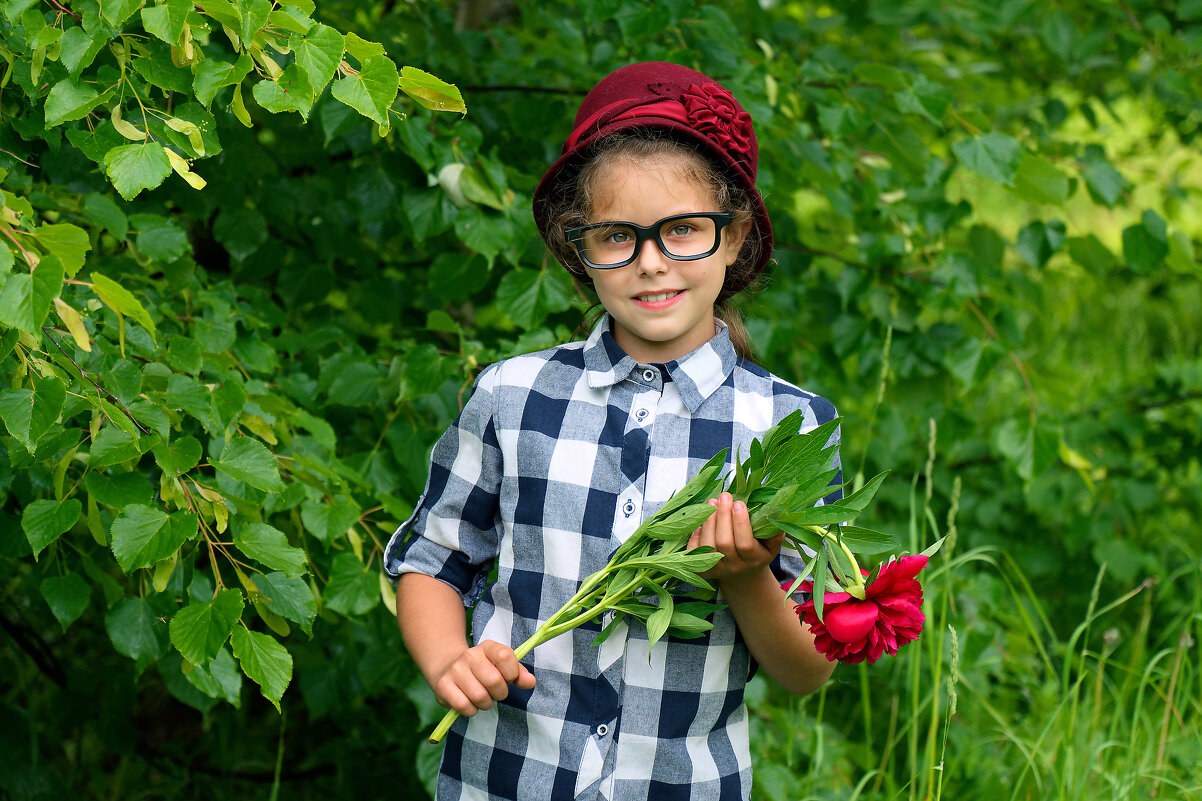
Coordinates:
[859,587]
[554,627]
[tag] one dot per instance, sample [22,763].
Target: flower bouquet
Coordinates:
[854,613]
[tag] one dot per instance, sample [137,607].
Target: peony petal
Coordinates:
[851,621]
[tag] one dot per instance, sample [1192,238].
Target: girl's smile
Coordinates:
[661,308]
[658,300]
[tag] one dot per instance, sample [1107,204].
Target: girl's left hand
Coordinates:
[728,531]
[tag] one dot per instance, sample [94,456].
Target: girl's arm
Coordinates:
[434,627]
[775,637]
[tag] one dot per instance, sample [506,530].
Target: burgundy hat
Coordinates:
[658,94]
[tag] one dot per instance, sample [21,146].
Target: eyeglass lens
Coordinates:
[680,237]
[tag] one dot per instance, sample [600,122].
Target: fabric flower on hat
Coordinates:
[713,111]
[889,616]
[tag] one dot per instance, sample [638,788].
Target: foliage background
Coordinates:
[987,217]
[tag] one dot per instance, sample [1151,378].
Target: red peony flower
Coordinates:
[712,111]
[890,615]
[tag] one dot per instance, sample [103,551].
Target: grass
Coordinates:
[992,702]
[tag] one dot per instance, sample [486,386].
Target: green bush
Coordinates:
[229,334]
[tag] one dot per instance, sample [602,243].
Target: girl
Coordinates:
[558,456]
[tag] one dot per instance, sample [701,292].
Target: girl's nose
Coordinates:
[651,259]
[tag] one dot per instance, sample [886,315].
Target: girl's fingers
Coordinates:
[511,670]
[724,536]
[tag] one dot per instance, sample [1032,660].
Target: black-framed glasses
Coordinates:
[681,237]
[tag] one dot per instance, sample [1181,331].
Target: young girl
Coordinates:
[558,456]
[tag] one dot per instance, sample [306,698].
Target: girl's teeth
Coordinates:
[655,298]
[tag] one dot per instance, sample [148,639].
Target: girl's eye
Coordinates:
[618,237]
[681,229]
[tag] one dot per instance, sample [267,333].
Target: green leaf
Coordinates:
[246,459]
[166,20]
[103,212]
[681,522]
[113,446]
[219,679]
[821,571]
[69,100]
[118,490]
[431,92]
[179,457]
[270,546]
[199,630]
[26,297]
[352,589]
[44,521]
[136,631]
[289,598]
[1144,247]
[659,620]
[859,499]
[321,431]
[1039,181]
[120,299]
[159,238]
[241,231]
[213,74]
[68,242]
[264,661]
[193,397]
[318,53]
[1090,253]
[361,49]
[67,596]
[372,91]
[142,535]
[29,413]
[117,11]
[229,399]
[156,66]
[1039,241]
[528,296]
[994,155]
[291,92]
[133,168]
[78,49]
[1106,184]
[489,234]
[255,14]
[97,142]
[867,541]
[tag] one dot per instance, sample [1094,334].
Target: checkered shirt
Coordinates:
[554,461]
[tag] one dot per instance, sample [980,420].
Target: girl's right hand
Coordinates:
[479,676]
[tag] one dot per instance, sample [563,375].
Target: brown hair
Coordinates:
[571,202]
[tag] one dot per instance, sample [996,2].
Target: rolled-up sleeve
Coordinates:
[454,531]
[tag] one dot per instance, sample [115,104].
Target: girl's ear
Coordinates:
[734,236]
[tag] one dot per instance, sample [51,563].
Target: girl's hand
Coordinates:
[728,531]
[481,675]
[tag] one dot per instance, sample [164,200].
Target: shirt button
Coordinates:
[628,508]
[602,730]
[648,375]
[641,414]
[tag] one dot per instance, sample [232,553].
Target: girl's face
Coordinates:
[661,308]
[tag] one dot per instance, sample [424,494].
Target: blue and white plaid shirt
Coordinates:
[554,461]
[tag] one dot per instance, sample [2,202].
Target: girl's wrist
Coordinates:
[750,580]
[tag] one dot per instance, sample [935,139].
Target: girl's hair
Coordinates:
[571,203]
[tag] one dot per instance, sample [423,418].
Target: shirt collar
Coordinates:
[697,374]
